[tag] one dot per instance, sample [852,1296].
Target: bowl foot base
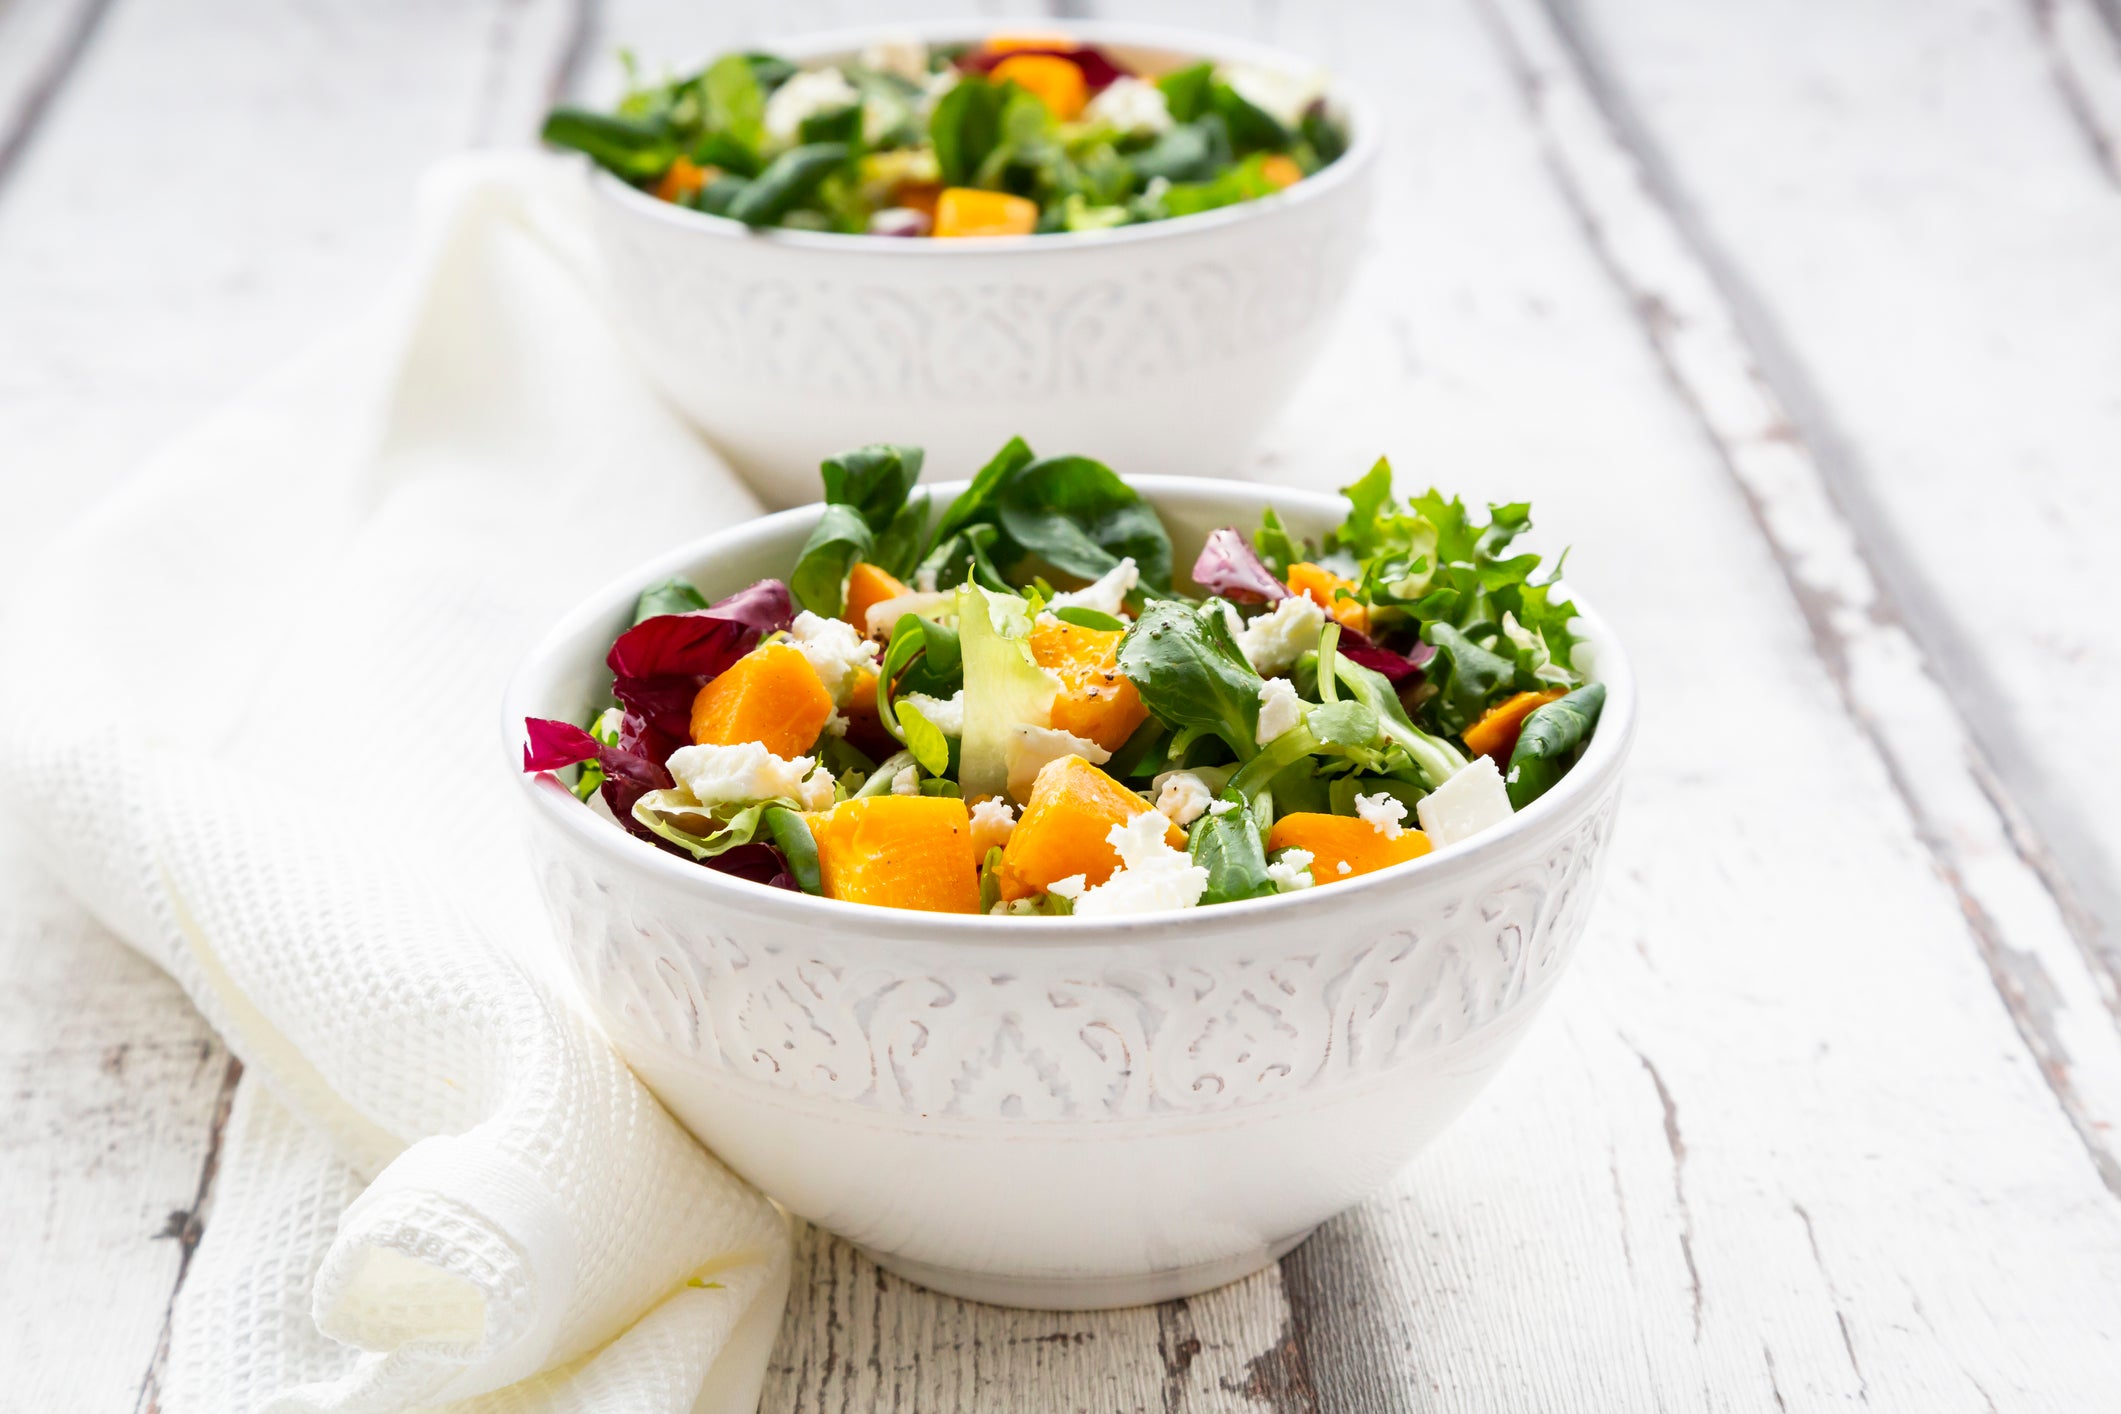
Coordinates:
[1086,1293]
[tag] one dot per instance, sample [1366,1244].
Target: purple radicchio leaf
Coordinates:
[1230,567]
[631,769]
[659,665]
[1396,667]
[757,861]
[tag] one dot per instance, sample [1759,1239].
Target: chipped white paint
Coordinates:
[1780,1139]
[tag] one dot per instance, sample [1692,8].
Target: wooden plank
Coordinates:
[111,1080]
[1944,264]
[40,42]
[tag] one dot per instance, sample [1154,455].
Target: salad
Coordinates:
[1021,134]
[1009,708]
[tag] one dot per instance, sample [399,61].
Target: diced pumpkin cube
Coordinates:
[1073,807]
[898,851]
[1335,840]
[1095,701]
[968,211]
[771,695]
[1323,587]
[1030,39]
[868,586]
[917,196]
[1281,171]
[1056,82]
[683,180]
[1495,734]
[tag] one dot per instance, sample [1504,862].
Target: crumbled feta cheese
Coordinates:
[926,603]
[746,773]
[1107,594]
[906,782]
[924,580]
[1281,95]
[939,84]
[805,95]
[1221,807]
[1031,748]
[1018,908]
[1469,802]
[1152,877]
[1292,871]
[1070,887]
[1342,867]
[837,724]
[837,652]
[947,713]
[1385,812]
[993,821]
[1183,797]
[900,54]
[1130,105]
[1274,641]
[1279,708]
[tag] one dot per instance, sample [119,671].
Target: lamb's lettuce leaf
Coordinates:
[1227,844]
[1551,739]
[1191,675]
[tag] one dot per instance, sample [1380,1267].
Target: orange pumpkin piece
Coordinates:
[968,211]
[683,180]
[868,586]
[1056,82]
[1495,734]
[1030,39]
[1095,701]
[917,196]
[1335,840]
[898,851]
[771,695]
[1322,587]
[1281,171]
[1073,806]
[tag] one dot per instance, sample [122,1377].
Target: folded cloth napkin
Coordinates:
[254,726]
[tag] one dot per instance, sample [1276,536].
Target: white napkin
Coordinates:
[252,719]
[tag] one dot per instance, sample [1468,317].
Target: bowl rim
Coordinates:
[556,805]
[1362,123]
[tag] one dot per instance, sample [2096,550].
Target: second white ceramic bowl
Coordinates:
[1063,1112]
[1157,348]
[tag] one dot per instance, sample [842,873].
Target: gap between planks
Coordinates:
[61,36]
[2082,42]
[1751,399]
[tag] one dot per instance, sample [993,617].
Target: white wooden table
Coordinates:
[1802,321]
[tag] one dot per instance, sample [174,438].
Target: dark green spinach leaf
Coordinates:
[1227,845]
[672,596]
[797,845]
[1192,676]
[1550,741]
[792,177]
[1078,516]
[637,149]
[965,127]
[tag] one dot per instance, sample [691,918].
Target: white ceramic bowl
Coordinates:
[1157,348]
[1062,1112]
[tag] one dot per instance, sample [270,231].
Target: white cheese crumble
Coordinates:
[1183,797]
[805,95]
[1282,96]
[837,724]
[900,54]
[1469,802]
[1107,594]
[1130,105]
[906,782]
[1152,877]
[947,713]
[884,614]
[993,821]
[1032,749]
[1279,708]
[1071,887]
[1274,641]
[1341,866]
[746,773]
[1292,871]
[1385,811]
[834,649]
[1222,807]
